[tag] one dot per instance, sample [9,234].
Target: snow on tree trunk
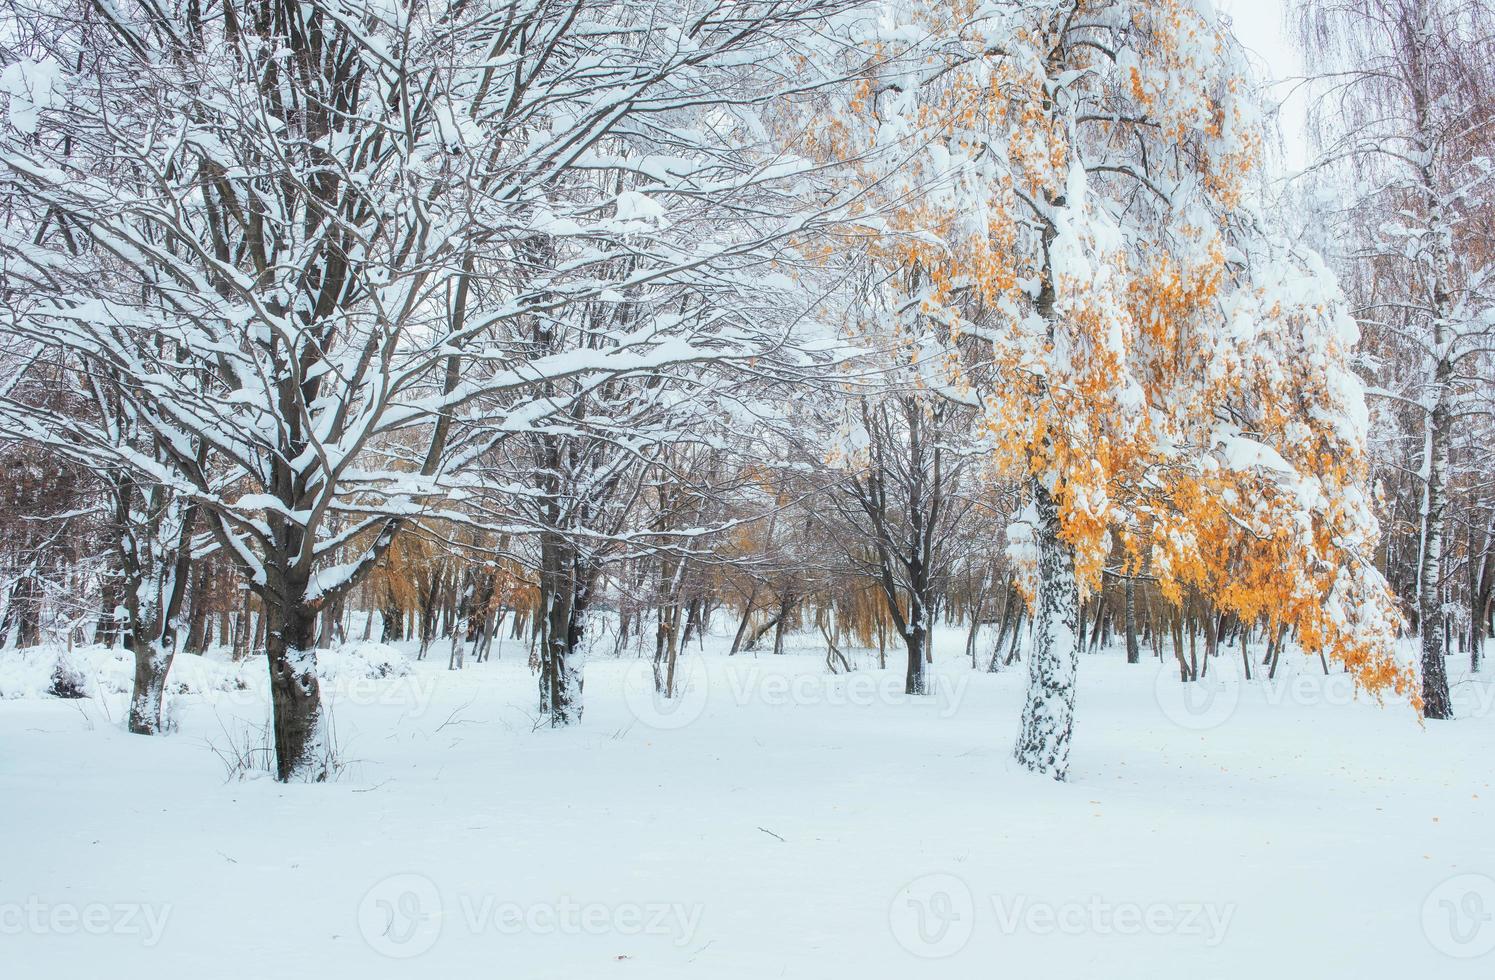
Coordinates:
[147,698]
[566,632]
[303,752]
[561,670]
[1435,699]
[916,678]
[1048,712]
[1430,615]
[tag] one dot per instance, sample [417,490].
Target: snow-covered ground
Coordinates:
[774,822]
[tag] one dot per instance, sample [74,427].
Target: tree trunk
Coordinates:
[694,619]
[303,752]
[566,594]
[1015,646]
[666,648]
[1211,640]
[1435,699]
[242,628]
[742,625]
[197,602]
[147,697]
[882,643]
[106,631]
[916,677]
[1133,651]
[391,619]
[1274,652]
[786,606]
[1009,598]
[257,644]
[1178,645]
[1048,712]
[976,617]
[562,667]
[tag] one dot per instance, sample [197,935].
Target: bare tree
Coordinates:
[1403,115]
[321,207]
[896,499]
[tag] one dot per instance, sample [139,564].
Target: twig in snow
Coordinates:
[453,715]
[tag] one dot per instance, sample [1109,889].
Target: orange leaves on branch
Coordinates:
[1176,377]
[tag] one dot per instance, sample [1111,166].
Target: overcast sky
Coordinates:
[1261,25]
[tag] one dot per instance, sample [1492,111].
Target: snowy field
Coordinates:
[774,822]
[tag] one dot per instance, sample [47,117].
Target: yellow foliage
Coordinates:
[1115,395]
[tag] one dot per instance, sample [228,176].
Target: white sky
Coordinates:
[1261,26]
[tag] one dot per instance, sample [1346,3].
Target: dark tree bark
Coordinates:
[1133,651]
[742,624]
[303,752]
[566,589]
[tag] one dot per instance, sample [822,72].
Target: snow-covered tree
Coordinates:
[329,213]
[1404,121]
[148,522]
[892,473]
[1164,371]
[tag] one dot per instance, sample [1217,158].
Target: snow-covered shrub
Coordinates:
[41,672]
[67,680]
[362,661]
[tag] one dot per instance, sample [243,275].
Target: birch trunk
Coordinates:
[1048,712]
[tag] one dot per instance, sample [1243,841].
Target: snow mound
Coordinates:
[51,671]
[362,661]
[88,672]
[42,672]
